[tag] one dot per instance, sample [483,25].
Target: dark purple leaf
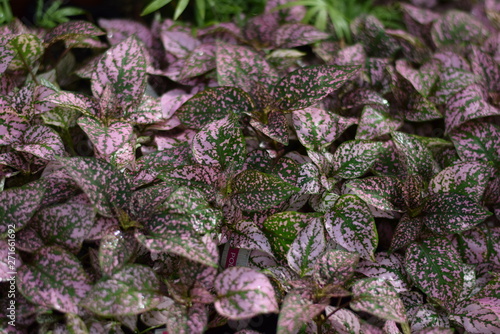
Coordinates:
[452,213]
[105,186]
[41,282]
[213,104]
[240,66]
[352,226]
[132,290]
[297,34]
[123,68]
[65,224]
[253,191]
[436,269]
[306,86]
[244,293]
[375,296]
[376,121]
[18,206]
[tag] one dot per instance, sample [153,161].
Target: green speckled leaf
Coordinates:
[457,27]
[252,190]
[306,86]
[18,206]
[296,311]
[134,289]
[436,268]
[375,121]
[352,226]
[383,192]
[452,213]
[282,228]
[116,248]
[375,296]
[477,141]
[354,157]
[335,267]
[212,104]
[479,316]
[27,48]
[220,142]
[54,279]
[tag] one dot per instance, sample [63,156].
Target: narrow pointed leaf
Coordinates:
[40,282]
[376,297]
[213,104]
[252,190]
[307,248]
[306,86]
[452,213]
[244,293]
[132,290]
[436,269]
[105,186]
[352,226]
[220,142]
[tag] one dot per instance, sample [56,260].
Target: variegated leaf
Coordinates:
[375,296]
[417,157]
[18,206]
[253,191]
[317,128]
[184,320]
[452,213]
[12,126]
[406,231]
[220,142]
[281,230]
[276,127]
[27,48]
[72,30]
[476,317]
[132,290]
[457,27]
[66,224]
[307,248]
[41,141]
[426,316]
[435,268]
[466,105]
[353,158]
[306,86]
[352,226]
[452,81]
[123,68]
[179,43]
[422,79]
[244,293]
[248,236]
[115,250]
[421,109]
[388,267]
[199,61]
[477,141]
[41,281]
[296,310]
[105,186]
[335,267]
[464,178]
[11,260]
[376,121]
[383,192]
[120,29]
[6,56]
[296,34]
[239,66]
[343,321]
[174,233]
[480,245]
[213,104]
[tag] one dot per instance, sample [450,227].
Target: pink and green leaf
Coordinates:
[353,158]
[18,206]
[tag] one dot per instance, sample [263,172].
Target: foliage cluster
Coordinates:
[160,176]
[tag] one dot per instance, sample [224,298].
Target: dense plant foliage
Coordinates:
[164,177]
